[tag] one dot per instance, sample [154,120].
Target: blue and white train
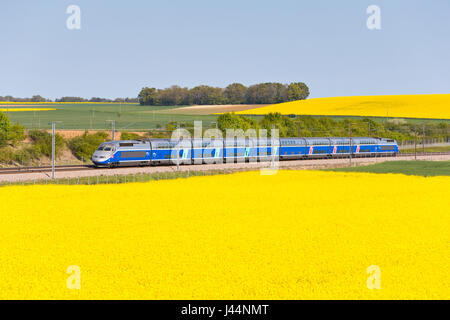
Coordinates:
[197,151]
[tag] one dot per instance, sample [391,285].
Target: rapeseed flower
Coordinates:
[399,106]
[293,235]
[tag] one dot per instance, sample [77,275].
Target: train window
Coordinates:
[107,149]
[133,154]
[100,148]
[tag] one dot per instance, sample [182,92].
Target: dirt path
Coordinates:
[210,109]
[69,134]
[292,164]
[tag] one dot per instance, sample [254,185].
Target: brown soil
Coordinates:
[210,109]
[69,134]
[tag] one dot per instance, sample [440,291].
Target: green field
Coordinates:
[94,116]
[419,149]
[418,168]
[127,116]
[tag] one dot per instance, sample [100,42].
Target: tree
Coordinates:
[4,128]
[280,92]
[266,93]
[37,98]
[234,121]
[235,93]
[297,91]
[203,95]
[71,99]
[16,133]
[147,96]
[97,99]
[286,126]
[12,133]
[132,100]
[84,146]
[174,96]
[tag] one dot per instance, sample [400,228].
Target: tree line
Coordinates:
[235,93]
[38,98]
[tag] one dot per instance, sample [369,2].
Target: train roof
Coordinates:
[294,140]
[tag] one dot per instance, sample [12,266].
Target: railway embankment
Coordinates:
[40,174]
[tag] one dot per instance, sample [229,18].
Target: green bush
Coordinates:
[84,146]
[26,155]
[129,136]
[42,142]
[16,133]
[21,156]
[308,126]
[286,126]
[234,121]
[6,154]
[10,133]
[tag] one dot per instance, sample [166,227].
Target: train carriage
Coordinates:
[268,149]
[167,150]
[292,148]
[207,151]
[318,147]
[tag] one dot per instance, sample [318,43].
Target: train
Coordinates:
[199,151]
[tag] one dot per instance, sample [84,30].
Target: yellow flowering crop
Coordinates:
[400,106]
[25,109]
[293,235]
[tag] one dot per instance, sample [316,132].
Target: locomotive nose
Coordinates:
[101,155]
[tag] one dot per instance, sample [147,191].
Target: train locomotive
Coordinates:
[197,151]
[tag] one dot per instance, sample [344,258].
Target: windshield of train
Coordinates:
[105,148]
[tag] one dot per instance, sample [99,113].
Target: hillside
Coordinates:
[429,106]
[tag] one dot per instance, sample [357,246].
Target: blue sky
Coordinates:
[125,45]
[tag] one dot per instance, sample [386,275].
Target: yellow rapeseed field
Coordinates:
[293,235]
[435,106]
[24,109]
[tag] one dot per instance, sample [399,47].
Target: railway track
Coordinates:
[62,168]
[20,170]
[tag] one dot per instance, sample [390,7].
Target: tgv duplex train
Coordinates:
[187,151]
